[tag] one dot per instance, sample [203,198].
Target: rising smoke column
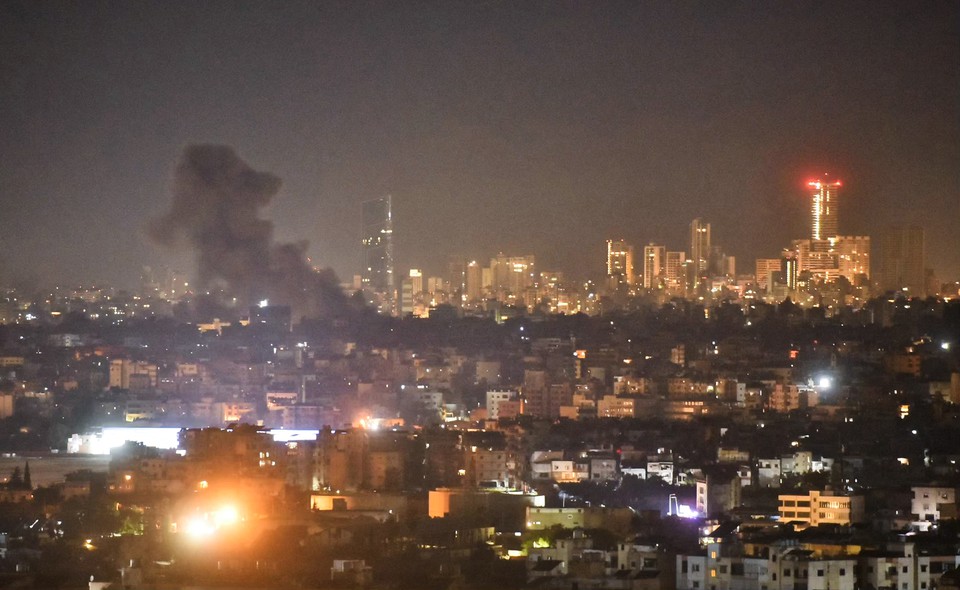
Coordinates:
[215,210]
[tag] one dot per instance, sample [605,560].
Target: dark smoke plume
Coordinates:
[215,210]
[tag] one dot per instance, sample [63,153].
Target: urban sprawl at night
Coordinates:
[480,296]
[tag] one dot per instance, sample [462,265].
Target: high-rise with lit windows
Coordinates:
[512,275]
[473,282]
[824,208]
[674,270]
[853,258]
[377,251]
[767,269]
[619,262]
[699,249]
[654,260]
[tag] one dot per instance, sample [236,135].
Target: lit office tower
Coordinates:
[853,258]
[416,281]
[474,283]
[411,290]
[619,262]
[824,208]
[790,269]
[699,249]
[654,259]
[675,272]
[767,269]
[377,243]
[512,275]
[902,260]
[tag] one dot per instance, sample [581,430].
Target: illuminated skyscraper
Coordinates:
[377,251]
[474,282]
[699,249]
[416,280]
[838,256]
[675,273]
[619,262]
[816,257]
[411,291]
[512,275]
[824,208]
[654,260]
[853,258]
[550,289]
[790,270]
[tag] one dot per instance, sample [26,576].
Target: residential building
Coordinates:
[620,269]
[931,503]
[654,265]
[821,507]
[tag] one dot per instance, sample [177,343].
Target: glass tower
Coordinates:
[377,273]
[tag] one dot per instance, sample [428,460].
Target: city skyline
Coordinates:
[541,129]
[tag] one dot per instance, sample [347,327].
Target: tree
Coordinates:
[16,480]
[27,483]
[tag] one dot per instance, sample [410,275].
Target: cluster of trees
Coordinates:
[19,480]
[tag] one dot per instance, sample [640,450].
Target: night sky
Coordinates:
[526,127]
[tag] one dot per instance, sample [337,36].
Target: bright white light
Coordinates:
[161,438]
[824,382]
[226,515]
[264,303]
[198,528]
[945,345]
[684,511]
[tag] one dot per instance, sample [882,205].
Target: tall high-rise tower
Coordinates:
[674,271]
[699,249]
[824,208]
[654,264]
[512,275]
[619,262]
[902,260]
[474,284]
[377,251]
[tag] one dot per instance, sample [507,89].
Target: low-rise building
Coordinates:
[614,519]
[816,508]
[931,503]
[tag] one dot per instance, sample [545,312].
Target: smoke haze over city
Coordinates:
[216,213]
